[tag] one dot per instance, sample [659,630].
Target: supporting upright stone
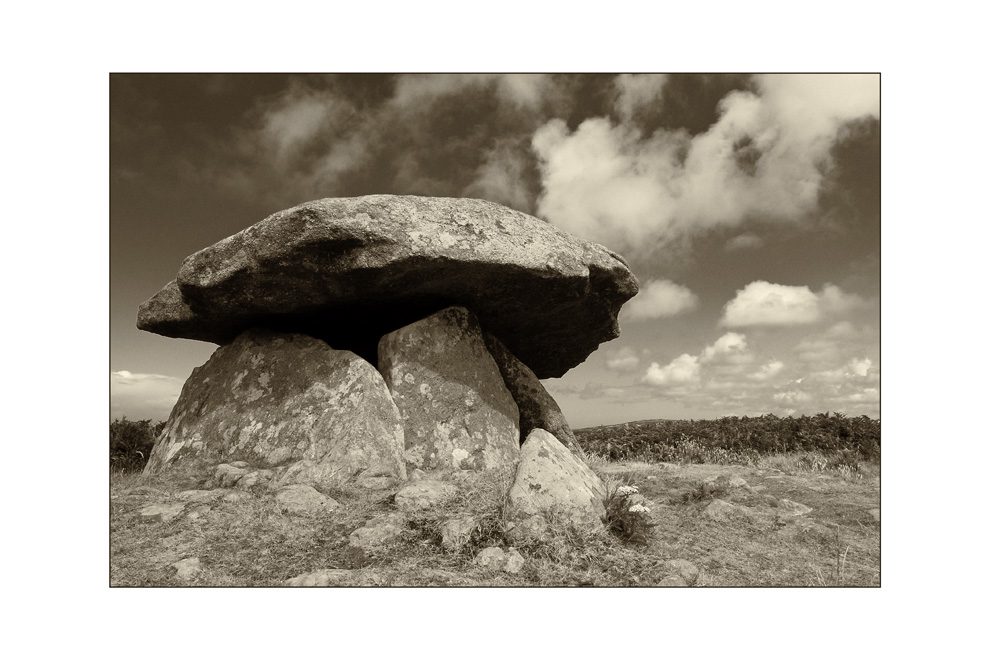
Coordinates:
[453,402]
[290,400]
[537,409]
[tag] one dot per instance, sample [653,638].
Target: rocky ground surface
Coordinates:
[715,525]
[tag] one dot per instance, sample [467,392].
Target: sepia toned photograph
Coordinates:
[494,330]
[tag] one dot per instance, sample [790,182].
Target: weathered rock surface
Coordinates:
[722,510]
[160,512]
[377,532]
[276,398]
[327,577]
[456,532]
[187,569]
[351,270]
[552,480]
[424,494]
[684,569]
[451,397]
[794,508]
[497,558]
[201,496]
[537,409]
[303,500]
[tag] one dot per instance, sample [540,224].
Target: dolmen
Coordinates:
[364,341]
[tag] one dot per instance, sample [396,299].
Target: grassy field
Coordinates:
[712,525]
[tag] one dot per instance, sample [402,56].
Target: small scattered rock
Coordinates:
[377,532]
[875,513]
[685,569]
[227,475]
[721,510]
[794,508]
[256,478]
[498,559]
[197,511]
[424,494]
[236,496]
[160,512]
[187,568]
[328,577]
[201,496]
[513,561]
[304,500]
[672,581]
[456,532]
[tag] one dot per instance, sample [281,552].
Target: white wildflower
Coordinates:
[626,490]
[638,508]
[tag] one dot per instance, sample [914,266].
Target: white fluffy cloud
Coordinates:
[768,371]
[730,348]
[764,303]
[765,157]
[659,298]
[623,359]
[681,370]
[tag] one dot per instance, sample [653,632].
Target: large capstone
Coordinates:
[287,401]
[352,270]
[456,409]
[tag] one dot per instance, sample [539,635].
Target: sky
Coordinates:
[748,206]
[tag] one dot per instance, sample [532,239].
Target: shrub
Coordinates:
[624,519]
[131,443]
[741,440]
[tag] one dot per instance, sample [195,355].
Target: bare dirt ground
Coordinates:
[716,526]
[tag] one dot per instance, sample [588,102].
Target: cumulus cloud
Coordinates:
[768,371]
[730,348]
[766,157]
[143,396]
[681,370]
[725,355]
[623,359]
[764,303]
[659,298]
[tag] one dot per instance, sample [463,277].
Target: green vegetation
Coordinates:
[840,440]
[131,443]
[681,510]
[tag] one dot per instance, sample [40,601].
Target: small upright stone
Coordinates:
[552,480]
[453,402]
